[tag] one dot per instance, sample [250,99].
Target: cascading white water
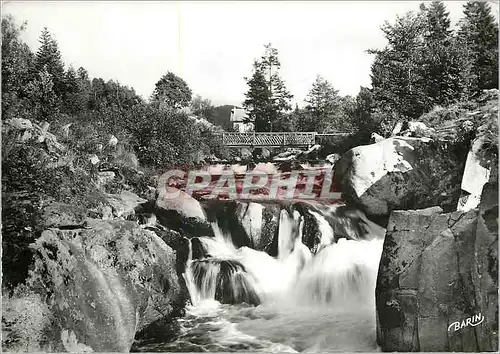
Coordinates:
[341,274]
[320,302]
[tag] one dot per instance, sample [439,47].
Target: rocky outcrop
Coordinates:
[438,269]
[375,177]
[25,130]
[400,174]
[100,284]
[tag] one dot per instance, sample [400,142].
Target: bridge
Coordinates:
[273,139]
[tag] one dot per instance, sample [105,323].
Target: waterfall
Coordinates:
[315,299]
[341,273]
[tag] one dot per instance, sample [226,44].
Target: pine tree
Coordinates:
[323,103]
[46,103]
[267,99]
[478,33]
[323,98]
[73,102]
[397,73]
[48,58]
[441,62]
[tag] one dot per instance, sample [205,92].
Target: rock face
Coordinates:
[400,174]
[437,269]
[102,283]
[375,176]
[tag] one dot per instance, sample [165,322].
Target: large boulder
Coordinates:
[97,286]
[375,177]
[260,222]
[399,174]
[438,277]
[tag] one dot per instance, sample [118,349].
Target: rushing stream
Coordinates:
[295,302]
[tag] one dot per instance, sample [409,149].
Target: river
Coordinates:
[295,302]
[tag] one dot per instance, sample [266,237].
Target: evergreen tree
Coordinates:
[478,33]
[441,57]
[75,96]
[397,74]
[41,93]
[323,103]
[267,99]
[48,58]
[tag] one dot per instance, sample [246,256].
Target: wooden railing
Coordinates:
[269,139]
[261,139]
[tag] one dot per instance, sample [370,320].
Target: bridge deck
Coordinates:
[261,139]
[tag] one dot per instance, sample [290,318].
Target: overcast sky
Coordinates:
[212,45]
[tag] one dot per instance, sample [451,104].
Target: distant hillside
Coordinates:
[220,117]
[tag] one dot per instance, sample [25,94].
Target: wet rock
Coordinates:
[250,216]
[232,284]
[226,215]
[328,223]
[269,229]
[436,269]
[103,283]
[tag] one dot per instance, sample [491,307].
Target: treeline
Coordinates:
[426,63]
[38,87]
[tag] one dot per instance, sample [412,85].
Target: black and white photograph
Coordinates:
[249,176]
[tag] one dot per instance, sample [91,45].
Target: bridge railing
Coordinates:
[269,139]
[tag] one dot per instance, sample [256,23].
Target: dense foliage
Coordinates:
[77,126]
[426,63]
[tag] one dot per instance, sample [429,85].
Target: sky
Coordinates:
[212,44]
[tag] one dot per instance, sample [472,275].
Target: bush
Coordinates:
[28,186]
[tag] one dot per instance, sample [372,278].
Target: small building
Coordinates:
[239,118]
